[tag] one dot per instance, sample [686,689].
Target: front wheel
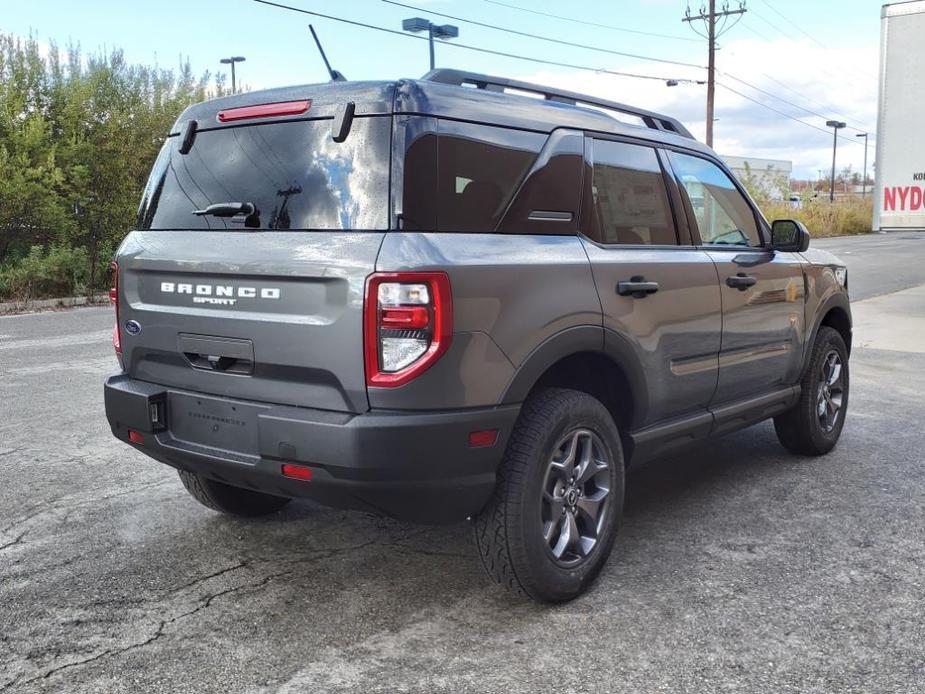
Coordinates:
[551,523]
[814,424]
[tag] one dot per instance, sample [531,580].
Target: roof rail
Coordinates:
[656,121]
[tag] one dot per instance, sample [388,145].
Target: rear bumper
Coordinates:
[416,466]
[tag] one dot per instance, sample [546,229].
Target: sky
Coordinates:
[810,60]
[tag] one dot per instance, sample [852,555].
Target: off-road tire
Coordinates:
[799,430]
[234,501]
[509,531]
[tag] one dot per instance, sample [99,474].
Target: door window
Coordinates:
[630,200]
[723,215]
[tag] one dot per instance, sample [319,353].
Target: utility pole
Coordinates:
[709,16]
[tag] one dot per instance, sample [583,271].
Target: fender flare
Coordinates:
[835,300]
[582,338]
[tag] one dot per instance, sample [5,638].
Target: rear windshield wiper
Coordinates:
[227,209]
[233,209]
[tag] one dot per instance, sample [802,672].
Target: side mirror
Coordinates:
[789,235]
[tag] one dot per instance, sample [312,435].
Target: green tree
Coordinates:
[78,134]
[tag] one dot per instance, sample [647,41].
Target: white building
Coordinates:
[770,175]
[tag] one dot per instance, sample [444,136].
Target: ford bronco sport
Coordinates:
[460,297]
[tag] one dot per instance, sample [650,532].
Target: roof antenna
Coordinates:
[335,75]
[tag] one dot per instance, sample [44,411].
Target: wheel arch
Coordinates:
[592,360]
[834,312]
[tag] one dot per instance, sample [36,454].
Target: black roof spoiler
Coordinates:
[459,78]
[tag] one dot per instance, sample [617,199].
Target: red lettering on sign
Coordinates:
[915,198]
[903,196]
[889,199]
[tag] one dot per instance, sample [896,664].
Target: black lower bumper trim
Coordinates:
[415,466]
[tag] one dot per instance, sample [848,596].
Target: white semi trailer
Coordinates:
[899,201]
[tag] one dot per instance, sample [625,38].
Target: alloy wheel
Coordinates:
[576,497]
[831,392]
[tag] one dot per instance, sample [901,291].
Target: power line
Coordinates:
[783,100]
[810,99]
[787,35]
[746,25]
[782,113]
[590,24]
[795,25]
[538,36]
[503,54]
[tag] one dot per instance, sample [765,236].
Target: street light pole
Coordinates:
[439,31]
[864,180]
[231,61]
[836,126]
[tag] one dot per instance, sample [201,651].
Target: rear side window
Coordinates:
[470,171]
[629,196]
[293,173]
[723,215]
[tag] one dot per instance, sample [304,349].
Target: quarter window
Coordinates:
[723,215]
[464,177]
[630,200]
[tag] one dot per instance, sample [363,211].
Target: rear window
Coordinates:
[293,173]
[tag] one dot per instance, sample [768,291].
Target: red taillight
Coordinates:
[280,108]
[297,472]
[135,437]
[408,325]
[114,300]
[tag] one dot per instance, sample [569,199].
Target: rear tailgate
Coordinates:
[204,303]
[246,276]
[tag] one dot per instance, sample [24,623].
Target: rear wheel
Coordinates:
[231,500]
[814,424]
[551,524]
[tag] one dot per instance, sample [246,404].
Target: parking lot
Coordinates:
[739,567]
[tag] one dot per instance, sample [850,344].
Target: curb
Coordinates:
[43,304]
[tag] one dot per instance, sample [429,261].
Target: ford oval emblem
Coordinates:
[132,327]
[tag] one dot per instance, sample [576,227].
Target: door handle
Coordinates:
[637,287]
[741,281]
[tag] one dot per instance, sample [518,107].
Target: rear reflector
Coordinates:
[135,437]
[280,108]
[114,301]
[483,439]
[297,472]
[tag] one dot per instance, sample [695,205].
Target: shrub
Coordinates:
[822,218]
[58,272]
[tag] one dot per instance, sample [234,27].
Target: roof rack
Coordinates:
[656,121]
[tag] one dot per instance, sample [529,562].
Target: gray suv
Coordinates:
[460,297]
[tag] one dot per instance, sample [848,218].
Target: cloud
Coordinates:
[833,83]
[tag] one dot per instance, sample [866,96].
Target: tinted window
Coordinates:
[723,215]
[478,170]
[294,174]
[548,200]
[629,197]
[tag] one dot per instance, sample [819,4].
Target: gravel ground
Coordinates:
[739,568]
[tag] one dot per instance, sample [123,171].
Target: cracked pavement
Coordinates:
[738,568]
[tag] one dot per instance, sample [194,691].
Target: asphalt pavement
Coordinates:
[739,567]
